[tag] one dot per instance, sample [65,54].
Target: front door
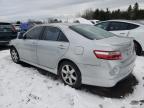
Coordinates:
[28,45]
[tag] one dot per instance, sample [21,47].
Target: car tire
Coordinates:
[14,55]
[138,48]
[70,74]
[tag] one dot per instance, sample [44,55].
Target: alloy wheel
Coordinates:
[14,55]
[69,75]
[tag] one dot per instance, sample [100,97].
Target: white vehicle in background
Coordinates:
[127,29]
[82,21]
[94,21]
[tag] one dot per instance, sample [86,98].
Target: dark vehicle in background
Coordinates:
[7,33]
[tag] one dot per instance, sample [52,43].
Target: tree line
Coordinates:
[132,13]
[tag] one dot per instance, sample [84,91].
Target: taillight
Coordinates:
[13,29]
[108,55]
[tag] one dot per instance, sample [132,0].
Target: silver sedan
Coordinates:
[78,53]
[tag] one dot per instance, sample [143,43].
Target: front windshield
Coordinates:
[91,32]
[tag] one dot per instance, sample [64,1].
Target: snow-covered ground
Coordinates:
[25,87]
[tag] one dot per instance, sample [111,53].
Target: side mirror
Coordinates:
[21,35]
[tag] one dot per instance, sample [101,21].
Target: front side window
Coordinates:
[51,33]
[132,26]
[91,32]
[34,33]
[103,25]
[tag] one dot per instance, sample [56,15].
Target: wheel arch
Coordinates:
[12,46]
[135,41]
[65,59]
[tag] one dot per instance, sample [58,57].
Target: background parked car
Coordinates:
[78,53]
[82,21]
[7,33]
[17,27]
[94,21]
[127,29]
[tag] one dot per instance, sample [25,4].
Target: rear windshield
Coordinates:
[5,27]
[91,32]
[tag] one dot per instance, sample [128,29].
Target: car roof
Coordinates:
[127,21]
[65,25]
[59,25]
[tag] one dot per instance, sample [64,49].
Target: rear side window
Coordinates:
[51,33]
[34,33]
[114,26]
[62,37]
[132,26]
[4,27]
[91,32]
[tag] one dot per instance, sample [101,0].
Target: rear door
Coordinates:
[51,47]
[28,46]
[118,28]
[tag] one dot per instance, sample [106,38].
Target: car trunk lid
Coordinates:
[116,43]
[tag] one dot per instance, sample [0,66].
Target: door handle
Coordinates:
[122,33]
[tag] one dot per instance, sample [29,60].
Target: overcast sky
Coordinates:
[29,9]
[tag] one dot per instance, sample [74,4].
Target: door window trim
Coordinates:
[25,34]
[42,36]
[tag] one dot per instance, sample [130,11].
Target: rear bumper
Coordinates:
[6,40]
[99,75]
[105,82]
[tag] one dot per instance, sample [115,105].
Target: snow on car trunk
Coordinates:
[25,87]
